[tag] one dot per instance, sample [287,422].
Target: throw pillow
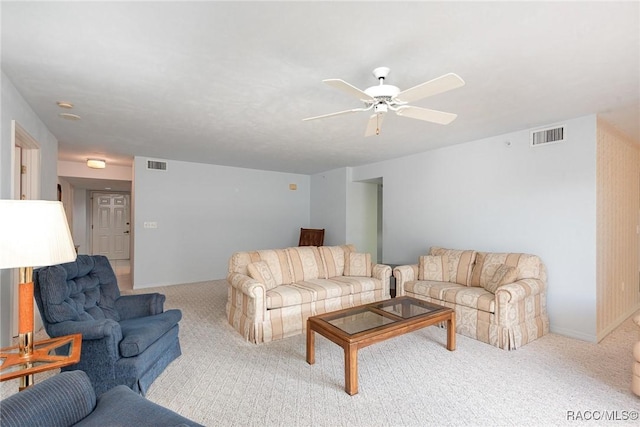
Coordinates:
[461,263]
[260,271]
[357,264]
[504,274]
[433,267]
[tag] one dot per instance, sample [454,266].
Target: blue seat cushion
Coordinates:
[122,407]
[141,332]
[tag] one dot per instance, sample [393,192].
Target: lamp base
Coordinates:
[25,343]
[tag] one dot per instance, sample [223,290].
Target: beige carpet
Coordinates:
[221,380]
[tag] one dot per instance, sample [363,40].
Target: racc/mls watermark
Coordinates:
[602,415]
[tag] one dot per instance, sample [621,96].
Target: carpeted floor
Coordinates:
[221,380]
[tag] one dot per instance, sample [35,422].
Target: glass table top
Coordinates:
[48,354]
[371,316]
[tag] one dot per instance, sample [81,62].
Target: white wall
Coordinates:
[205,213]
[329,205]
[80,230]
[362,217]
[490,196]
[81,170]
[14,107]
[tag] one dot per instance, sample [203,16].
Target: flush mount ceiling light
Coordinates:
[96,163]
[65,104]
[69,116]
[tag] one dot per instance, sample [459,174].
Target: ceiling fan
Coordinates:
[382,98]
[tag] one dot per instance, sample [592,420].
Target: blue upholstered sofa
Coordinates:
[68,399]
[126,339]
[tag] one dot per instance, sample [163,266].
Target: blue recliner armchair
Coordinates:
[68,399]
[126,339]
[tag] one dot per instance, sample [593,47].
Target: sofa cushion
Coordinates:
[433,267]
[333,259]
[260,271]
[504,274]
[141,332]
[529,266]
[277,259]
[460,263]
[289,295]
[360,284]
[430,288]
[121,406]
[357,264]
[326,288]
[454,293]
[306,263]
[472,297]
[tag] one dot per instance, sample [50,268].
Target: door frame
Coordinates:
[29,151]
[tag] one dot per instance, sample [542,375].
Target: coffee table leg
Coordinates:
[351,369]
[311,345]
[451,332]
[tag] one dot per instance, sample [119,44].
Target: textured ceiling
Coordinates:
[229,83]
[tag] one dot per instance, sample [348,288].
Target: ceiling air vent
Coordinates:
[547,136]
[156,165]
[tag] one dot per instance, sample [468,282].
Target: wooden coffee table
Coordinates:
[358,327]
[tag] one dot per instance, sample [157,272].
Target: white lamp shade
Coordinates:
[34,233]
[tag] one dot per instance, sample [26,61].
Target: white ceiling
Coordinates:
[229,83]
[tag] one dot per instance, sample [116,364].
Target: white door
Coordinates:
[110,225]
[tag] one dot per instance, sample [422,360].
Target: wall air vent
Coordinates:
[156,165]
[547,136]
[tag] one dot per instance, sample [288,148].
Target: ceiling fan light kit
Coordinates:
[383,97]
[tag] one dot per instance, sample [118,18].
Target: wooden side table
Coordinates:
[44,358]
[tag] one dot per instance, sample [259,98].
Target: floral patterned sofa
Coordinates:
[498,298]
[272,292]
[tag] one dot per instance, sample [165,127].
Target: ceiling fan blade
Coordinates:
[348,88]
[374,124]
[354,110]
[432,87]
[425,114]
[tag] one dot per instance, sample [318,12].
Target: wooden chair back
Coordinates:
[311,237]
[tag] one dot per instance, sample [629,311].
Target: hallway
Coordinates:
[122,269]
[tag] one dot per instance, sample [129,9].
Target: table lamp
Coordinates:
[33,233]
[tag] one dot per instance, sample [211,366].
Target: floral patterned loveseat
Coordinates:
[498,298]
[271,293]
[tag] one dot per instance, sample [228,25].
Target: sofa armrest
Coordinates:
[383,273]
[90,329]
[247,285]
[100,346]
[61,400]
[100,338]
[517,291]
[404,274]
[248,296]
[142,305]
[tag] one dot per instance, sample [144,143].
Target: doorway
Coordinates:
[364,217]
[111,225]
[25,152]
